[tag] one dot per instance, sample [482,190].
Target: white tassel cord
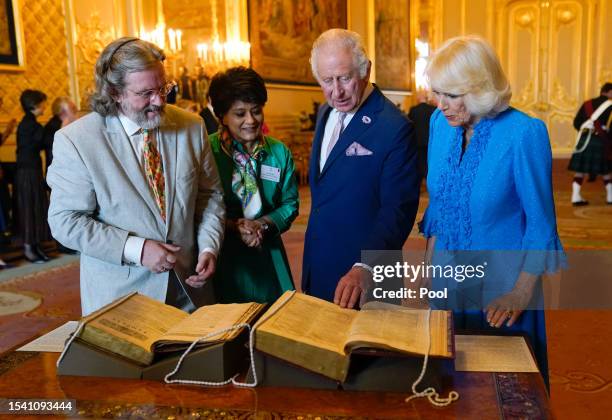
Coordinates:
[431,394]
[231,380]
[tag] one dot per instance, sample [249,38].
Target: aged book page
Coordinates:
[490,353]
[308,332]
[134,325]
[209,319]
[130,326]
[404,330]
[319,335]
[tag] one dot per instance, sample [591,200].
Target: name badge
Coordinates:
[270,173]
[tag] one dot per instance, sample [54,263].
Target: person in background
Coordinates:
[171,97]
[64,112]
[208,115]
[261,195]
[31,196]
[185,84]
[363,176]
[593,152]
[490,196]
[420,115]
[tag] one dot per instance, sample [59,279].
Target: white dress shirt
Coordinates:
[331,123]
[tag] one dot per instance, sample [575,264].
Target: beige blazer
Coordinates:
[99,195]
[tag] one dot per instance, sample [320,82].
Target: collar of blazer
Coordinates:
[123,150]
[355,131]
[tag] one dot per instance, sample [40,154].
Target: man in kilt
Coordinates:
[593,152]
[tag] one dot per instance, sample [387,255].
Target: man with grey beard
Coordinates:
[135,188]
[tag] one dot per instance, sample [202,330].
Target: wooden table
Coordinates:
[482,396]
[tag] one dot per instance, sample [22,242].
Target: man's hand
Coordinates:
[205,268]
[158,256]
[352,287]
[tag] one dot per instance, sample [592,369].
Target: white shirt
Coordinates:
[136,136]
[331,124]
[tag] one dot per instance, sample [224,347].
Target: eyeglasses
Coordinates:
[148,94]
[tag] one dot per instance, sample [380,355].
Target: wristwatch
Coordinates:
[265,226]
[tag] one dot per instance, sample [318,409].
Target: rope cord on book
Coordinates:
[82,323]
[231,380]
[431,394]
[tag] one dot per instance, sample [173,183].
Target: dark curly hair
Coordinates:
[236,84]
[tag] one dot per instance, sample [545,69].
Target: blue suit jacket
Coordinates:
[359,202]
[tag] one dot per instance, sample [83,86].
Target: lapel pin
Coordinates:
[366,119]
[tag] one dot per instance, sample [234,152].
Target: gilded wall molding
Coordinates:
[92,37]
[561,99]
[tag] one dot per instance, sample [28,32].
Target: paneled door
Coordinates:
[553,52]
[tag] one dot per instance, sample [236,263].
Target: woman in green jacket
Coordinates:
[261,195]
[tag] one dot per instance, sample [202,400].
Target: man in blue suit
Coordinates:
[363,175]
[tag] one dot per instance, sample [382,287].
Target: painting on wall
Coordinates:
[281,33]
[392,43]
[11,52]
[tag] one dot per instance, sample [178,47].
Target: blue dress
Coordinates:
[494,203]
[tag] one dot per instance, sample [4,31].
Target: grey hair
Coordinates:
[118,59]
[59,104]
[345,38]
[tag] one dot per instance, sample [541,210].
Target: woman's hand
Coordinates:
[511,305]
[250,231]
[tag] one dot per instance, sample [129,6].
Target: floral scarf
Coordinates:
[244,175]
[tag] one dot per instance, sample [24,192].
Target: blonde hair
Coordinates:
[341,37]
[467,65]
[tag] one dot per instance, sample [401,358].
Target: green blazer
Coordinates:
[248,274]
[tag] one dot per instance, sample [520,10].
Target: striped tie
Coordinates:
[336,133]
[155,172]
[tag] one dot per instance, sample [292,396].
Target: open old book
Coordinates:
[320,336]
[137,327]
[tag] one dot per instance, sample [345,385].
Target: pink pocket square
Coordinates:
[355,149]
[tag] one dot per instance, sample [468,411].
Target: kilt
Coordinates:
[595,158]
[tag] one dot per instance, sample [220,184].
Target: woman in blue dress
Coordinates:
[490,197]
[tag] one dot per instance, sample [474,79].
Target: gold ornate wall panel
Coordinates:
[522,44]
[93,36]
[93,24]
[45,56]
[547,49]
[603,58]
[46,63]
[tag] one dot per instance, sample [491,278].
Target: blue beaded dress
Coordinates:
[494,200]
